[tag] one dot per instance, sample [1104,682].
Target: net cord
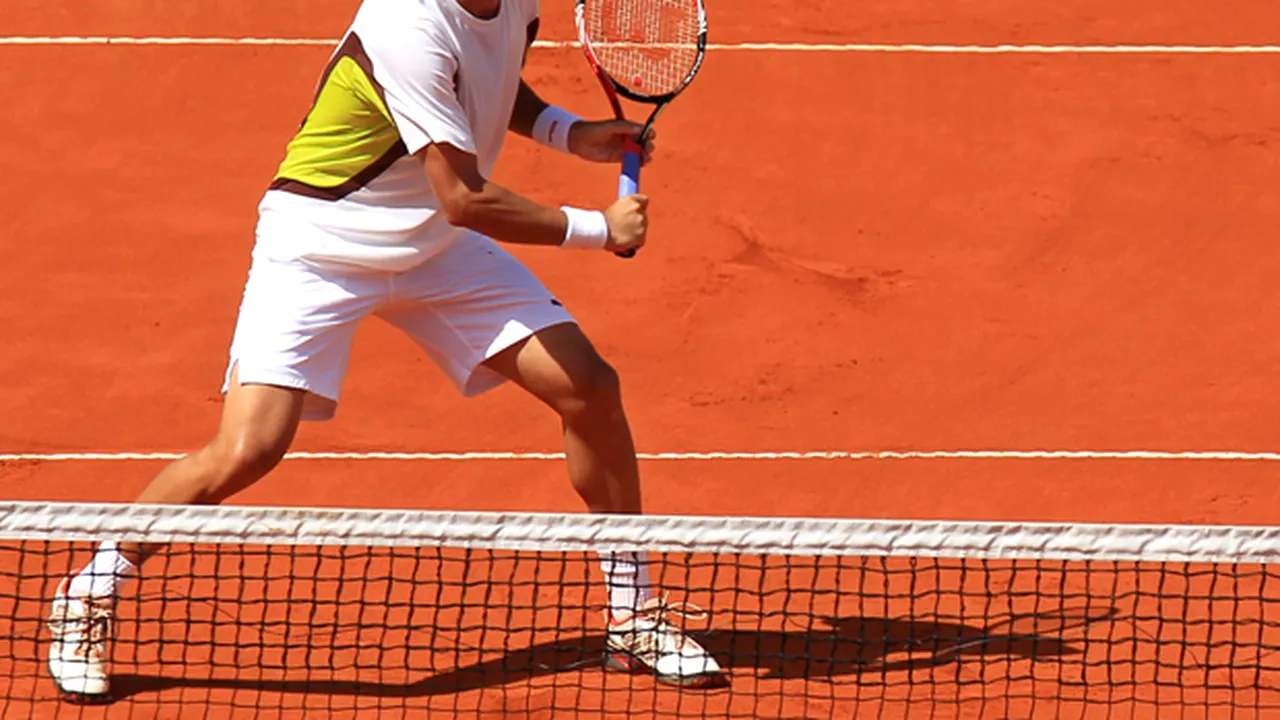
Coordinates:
[571,532]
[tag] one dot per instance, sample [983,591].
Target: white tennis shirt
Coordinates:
[407,73]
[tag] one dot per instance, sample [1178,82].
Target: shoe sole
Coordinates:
[72,698]
[627,663]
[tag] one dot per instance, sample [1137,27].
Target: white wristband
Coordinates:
[552,127]
[588,229]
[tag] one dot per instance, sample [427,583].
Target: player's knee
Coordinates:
[253,458]
[597,394]
[241,461]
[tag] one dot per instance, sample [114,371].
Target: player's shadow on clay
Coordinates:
[854,649]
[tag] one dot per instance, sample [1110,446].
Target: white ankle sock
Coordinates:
[104,576]
[627,575]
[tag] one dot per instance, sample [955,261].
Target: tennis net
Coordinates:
[291,612]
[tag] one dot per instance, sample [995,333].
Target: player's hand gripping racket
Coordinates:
[647,51]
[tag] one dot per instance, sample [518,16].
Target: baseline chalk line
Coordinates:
[1149,455]
[917,48]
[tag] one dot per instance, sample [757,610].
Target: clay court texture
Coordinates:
[994,260]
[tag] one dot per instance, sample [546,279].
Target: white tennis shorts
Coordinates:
[462,306]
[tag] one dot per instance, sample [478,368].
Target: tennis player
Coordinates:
[382,207]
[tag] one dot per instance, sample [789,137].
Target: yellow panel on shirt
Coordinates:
[348,138]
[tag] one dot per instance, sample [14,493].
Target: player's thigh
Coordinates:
[561,367]
[470,304]
[295,329]
[258,422]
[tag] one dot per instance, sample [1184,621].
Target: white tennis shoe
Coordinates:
[81,629]
[647,642]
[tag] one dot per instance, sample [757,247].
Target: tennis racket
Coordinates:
[647,51]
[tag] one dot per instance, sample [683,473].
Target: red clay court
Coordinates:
[873,231]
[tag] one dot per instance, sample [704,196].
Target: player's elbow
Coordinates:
[464,208]
[459,187]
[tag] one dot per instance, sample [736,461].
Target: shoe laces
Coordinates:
[660,608]
[657,613]
[91,626]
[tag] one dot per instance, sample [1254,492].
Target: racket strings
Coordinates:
[650,47]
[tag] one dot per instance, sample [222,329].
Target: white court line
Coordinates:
[767,47]
[1156,455]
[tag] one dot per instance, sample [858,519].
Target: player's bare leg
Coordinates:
[257,427]
[560,367]
[258,424]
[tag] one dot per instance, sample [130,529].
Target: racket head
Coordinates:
[648,50]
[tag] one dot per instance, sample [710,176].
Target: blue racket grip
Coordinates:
[629,181]
[629,184]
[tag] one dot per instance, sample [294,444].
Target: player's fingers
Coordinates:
[641,200]
[648,151]
[626,128]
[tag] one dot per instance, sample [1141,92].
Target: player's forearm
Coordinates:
[470,200]
[525,113]
[503,215]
